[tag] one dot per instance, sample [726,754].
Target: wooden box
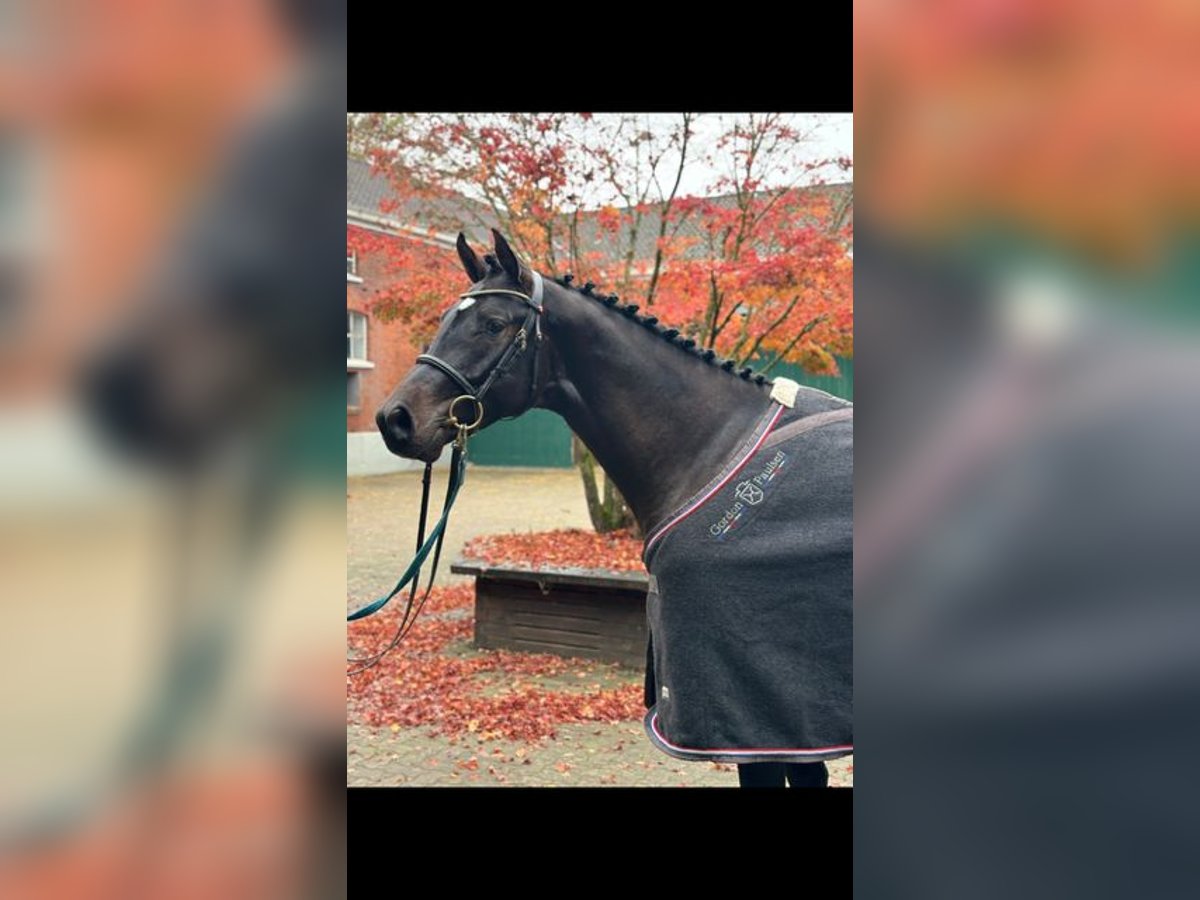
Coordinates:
[591,613]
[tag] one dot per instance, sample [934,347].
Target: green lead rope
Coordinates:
[411,576]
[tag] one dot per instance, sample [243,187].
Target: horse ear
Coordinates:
[470,260]
[508,260]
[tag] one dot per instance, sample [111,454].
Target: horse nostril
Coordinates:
[396,421]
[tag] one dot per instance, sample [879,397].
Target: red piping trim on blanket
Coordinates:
[662,737]
[697,503]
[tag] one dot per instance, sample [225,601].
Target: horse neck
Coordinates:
[660,421]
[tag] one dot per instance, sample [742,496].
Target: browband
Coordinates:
[535,300]
[534,317]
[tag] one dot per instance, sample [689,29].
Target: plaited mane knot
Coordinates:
[671,335]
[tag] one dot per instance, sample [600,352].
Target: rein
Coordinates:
[458,465]
[412,575]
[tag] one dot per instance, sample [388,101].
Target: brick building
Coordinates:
[378,354]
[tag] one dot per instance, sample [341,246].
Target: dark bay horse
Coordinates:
[679,432]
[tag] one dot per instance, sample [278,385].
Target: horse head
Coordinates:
[484,363]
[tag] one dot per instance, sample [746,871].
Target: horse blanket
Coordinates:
[750,656]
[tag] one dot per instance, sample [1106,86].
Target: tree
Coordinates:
[757,268]
[765,276]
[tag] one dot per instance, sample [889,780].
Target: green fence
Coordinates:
[541,438]
[840,386]
[538,438]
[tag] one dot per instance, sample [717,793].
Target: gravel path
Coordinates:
[381,531]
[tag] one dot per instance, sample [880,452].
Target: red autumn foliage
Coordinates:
[564,548]
[757,269]
[420,684]
[458,596]
[425,277]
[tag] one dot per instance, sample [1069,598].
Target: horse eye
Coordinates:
[495,326]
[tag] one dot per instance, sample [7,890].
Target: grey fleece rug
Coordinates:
[750,602]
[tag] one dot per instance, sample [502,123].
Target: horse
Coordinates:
[741,486]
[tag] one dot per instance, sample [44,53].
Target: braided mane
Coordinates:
[651,323]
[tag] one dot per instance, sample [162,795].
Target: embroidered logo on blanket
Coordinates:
[747,495]
[749,492]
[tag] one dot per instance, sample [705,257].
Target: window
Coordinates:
[356,341]
[353,390]
[352,267]
[356,335]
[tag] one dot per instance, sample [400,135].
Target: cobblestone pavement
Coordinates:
[381,530]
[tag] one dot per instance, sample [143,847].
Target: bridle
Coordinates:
[475,395]
[458,462]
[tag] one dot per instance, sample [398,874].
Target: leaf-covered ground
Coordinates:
[436,679]
[562,548]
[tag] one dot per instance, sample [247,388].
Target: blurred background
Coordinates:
[1027,503]
[171,465]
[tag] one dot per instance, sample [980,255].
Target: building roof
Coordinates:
[592,236]
[367,192]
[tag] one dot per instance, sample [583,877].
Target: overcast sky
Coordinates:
[832,136]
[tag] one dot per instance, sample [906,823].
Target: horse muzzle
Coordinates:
[396,425]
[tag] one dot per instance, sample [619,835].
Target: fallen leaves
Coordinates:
[564,548]
[459,596]
[432,680]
